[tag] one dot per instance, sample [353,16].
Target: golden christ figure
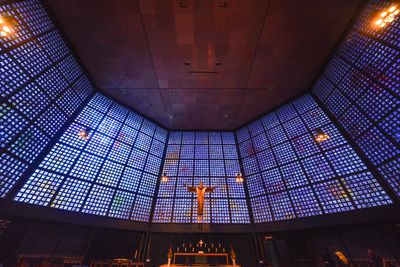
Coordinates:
[200,191]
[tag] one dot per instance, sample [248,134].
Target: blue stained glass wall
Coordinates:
[41,86]
[289,175]
[209,157]
[361,88]
[111,172]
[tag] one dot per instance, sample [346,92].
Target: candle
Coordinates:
[136,252]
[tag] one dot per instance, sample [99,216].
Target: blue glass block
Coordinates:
[70,69]
[293,175]
[54,45]
[153,165]
[391,126]
[130,179]
[160,134]
[148,127]
[336,69]
[335,137]
[260,142]
[315,118]
[119,152]
[333,197]
[216,138]
[239,211]
[173,151]
[242,134]
[255,185]
[31,57]
[391,78]
[134,120]
[71,196]
[29,144]
[304,103]
[276,135]
[147,184]
[353,46]
[230,152]
[118,112]
[235,189]
[11,123]
[266,159]
[273,180]
[322,88]
[171,167]
[201,138]
[201,168]
[255,128]
[217,168]
[216,152]
[250,165]
[366,191]
[90,117]
[69,101]
[204,180]
[220,211]
[98,200]
[52,82]
[354,122]
[181,187]
[261,209]
[71,138]
[99,144]
[163,210]
[188,138]
[83,87]
[109,127]
[121,205]
[281,206]
[305,203]
[157,148]
[377,102]
[345,161]
[11,170]
[337,103]
[187,152]
[175,138]
[21,33]
[305,146]
[40,188]
[60,159]
[228,138]
[247,149]
[110,174]
[51,120]
[34,15]
[284,153]
[377,147]
[185,168]
[221,187]
[295,127]
[286,113]
[143,142]
[354,84]
[201,152]
[232,167]
[167,189]
[182,211]
[391,173]
[30,101]
[86,167]
[11,75]
[318,168]
[101,103]
[137,159]
[141,208]
[127,135]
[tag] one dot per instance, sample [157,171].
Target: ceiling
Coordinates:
[203,64]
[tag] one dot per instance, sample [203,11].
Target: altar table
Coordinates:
[201,255]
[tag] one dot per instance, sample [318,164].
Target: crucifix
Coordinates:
[200,191]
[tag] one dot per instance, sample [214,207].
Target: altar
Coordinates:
[179,265]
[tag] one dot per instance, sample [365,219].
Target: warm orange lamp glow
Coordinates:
[164,178]
[387,16]
[321,136]
[6,26]
[84,134]
[239,178]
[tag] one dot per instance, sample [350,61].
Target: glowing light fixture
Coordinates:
[239,178]
[321,136]
[164,178]
[6,26]
[84,134]
[387,16]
